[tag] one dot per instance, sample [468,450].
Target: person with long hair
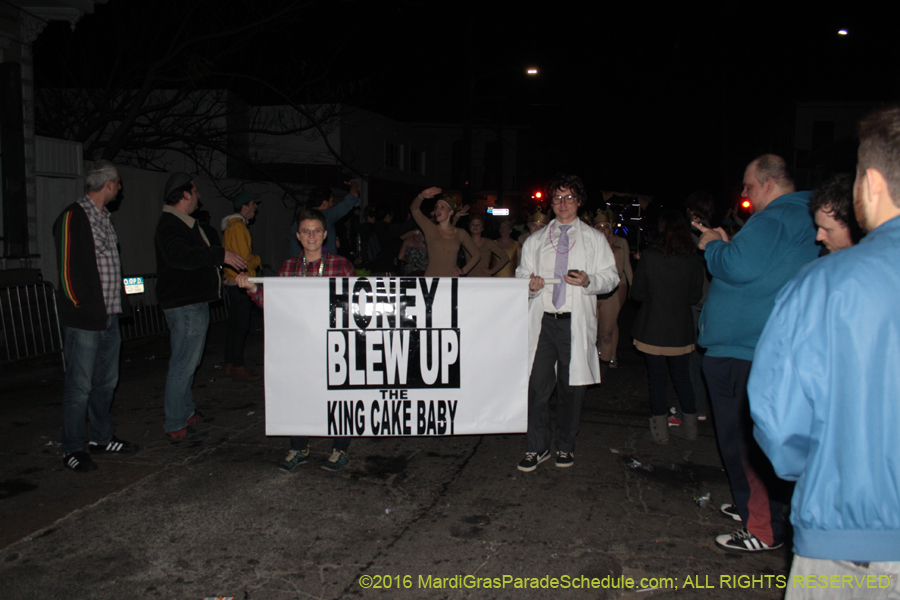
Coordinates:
[609,305]
[512,248]
[487,247]
[442,238]
[668,281]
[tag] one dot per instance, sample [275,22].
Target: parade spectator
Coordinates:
[387,236]
[824,389]
[443,239]
[668,281]
[236,237]
[512,248]
[487,247]
[748,271]
[700,208]
[322,199]
[314,261]
[90,300]
[562,321]
[189,279]
[413,253]
[831,206]
[609,305]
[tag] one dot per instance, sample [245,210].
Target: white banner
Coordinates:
[403,356]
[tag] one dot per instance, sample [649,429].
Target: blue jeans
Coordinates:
[92,372]
[187,327]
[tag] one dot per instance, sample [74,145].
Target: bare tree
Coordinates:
[139,81]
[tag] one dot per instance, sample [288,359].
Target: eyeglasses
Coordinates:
[311,232]
[570,199]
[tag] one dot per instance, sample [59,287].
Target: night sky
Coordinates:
[633,99]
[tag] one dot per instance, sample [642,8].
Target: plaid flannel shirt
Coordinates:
[106,247]
[335,266]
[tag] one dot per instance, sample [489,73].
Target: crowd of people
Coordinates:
[786,325]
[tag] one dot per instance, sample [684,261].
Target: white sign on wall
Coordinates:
[403,356]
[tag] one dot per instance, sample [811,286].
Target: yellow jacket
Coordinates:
[236,237]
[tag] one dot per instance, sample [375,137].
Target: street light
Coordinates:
[532,71]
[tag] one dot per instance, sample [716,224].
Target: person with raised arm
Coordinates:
[442,238]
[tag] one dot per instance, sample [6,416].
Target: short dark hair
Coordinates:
[570,182]
[310,214]
[673,236]
[879,147]
[835,198]
[318,195]
[177,194]
[702,205]
[772,166]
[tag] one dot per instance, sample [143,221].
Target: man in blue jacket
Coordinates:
[748,272]
[825,390]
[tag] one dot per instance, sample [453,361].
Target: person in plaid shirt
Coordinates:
[90,302]
[313,261]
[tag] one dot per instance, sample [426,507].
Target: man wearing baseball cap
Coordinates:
[236,237]
[189,279]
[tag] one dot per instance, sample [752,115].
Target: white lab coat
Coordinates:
[592,255]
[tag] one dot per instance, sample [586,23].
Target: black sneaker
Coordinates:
[114,446]
[79,461]
[565,459]
[532,460]
[188,434]
[744,542]
[730,510]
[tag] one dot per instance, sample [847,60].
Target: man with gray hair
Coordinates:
[90,300]
[824,390]
[748,271]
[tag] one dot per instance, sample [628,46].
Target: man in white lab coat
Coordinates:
[562,320]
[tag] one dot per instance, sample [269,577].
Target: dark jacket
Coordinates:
[186,265]
[667,288]
[80,301]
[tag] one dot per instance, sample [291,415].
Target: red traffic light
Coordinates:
[745,204]
[538,195]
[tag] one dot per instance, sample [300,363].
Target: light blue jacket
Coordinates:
[749,271]
[825,398]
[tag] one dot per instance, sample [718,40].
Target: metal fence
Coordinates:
[148,318]
[28,321]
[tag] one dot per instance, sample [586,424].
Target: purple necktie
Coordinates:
[562,263]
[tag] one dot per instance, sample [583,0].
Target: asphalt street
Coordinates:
[430,517]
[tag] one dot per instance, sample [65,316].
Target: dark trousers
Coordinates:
[238,324]
[553,354]
[300,442]
[757,491]
[658,369]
